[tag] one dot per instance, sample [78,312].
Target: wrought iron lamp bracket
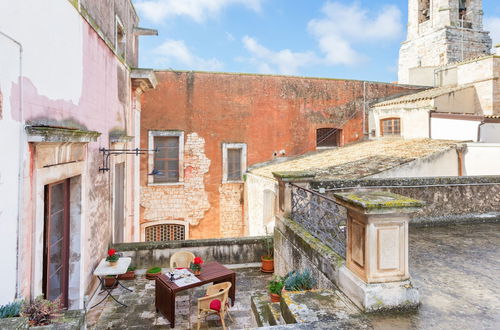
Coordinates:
[106,153]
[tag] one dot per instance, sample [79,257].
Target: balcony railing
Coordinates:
[321,216]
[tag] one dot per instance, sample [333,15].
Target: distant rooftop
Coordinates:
[357,160]
[428,94]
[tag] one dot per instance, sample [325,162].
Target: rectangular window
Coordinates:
[328,137]
[166,164]
[233,161]
[390,127]
[120,38]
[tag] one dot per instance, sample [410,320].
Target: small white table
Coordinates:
[104,269]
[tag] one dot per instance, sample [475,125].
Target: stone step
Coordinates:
[264,317]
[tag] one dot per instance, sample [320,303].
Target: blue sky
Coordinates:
[317,38]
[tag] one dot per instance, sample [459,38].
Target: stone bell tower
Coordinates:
[441,32]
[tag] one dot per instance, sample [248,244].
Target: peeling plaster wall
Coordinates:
[71,78]
[267,113]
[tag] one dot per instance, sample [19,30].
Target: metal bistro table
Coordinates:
[104,269]
[167,290]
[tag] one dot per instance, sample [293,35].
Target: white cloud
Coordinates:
[198,10]
[492,24]
[174,53]
[284,61]
[344,26]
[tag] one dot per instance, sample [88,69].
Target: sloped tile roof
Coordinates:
[428,94]
[358,160]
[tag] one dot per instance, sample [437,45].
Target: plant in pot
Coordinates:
[153,272]
[275,287]
[268,259]
[110,281]
[129,275]
[41,311]
[195,266]
[299,281]
[112,257]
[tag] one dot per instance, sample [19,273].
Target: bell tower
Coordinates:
[441,32]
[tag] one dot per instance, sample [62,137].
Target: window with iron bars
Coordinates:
[165,232]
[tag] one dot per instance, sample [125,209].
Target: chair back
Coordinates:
[181,259]
[216,291]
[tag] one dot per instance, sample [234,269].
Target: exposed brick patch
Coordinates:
[188,201]
[231,209]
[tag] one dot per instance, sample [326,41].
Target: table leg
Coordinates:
[232,290]
[120,284]
[108,292]
[171,308]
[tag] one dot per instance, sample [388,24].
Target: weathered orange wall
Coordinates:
[268,113]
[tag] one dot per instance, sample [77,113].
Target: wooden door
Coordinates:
[56,242]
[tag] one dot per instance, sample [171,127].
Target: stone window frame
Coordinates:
[381,123]
[225,147]
[164,222]
[151,135]
[121,51]
[337,131]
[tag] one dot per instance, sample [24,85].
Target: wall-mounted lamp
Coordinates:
[108,152]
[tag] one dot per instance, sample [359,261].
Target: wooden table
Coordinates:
[104,269]
[211,272]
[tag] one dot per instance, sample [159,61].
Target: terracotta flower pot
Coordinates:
[112,263]
[153,276]
[109,282]
[130,275]
[275,297]
[267,265]
[197,272]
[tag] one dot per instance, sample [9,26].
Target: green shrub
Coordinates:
[11,310]
[154,270]
[131,269]
[299,281]
[276,285]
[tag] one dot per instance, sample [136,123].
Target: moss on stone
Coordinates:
[378,200]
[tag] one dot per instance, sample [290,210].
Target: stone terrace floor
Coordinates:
[456,268]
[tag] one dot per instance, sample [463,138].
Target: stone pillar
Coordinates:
[376,275]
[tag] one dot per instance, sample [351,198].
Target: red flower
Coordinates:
[111,252]
[198,261]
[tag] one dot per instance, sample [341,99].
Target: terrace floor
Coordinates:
[456,269]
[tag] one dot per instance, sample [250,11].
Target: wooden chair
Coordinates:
[208,305]
[181,259]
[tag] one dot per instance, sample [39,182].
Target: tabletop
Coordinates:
[104,268]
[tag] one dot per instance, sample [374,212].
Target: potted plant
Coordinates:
[275,287]
[41,311]
[268,259]
[195,266]
[112,257]
[110,281]
[153,272]
[129,275]
[299,281]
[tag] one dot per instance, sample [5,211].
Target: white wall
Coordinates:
[482,159]
[9,168]
[255,186]
[414,122]
[490,133]
[454,129]
[441,164]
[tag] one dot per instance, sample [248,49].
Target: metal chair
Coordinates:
[181,259]
[206,304]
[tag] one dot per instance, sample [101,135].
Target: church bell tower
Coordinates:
[441,32]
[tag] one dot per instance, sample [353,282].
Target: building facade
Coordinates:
[210,127]
[67,89]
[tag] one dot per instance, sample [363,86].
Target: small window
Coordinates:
[167,162]
[233,161]
[328,137]
[120,38]
[165,232]
[424,10]
[390,127]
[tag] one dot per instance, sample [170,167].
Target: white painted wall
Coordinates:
[490,133]
[441,164]
[414,121]
[9,167]
[482,159]
[453,129]
[255,187]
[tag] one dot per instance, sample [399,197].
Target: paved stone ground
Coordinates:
[457,271]
[141,312]
[456,268]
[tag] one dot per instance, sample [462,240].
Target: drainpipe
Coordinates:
[479,130]
[21,154]
[364,109]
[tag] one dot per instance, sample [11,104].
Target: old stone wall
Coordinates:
[225,251]
[272,115]
[448,199]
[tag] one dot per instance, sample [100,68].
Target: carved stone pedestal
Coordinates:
[376,275]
